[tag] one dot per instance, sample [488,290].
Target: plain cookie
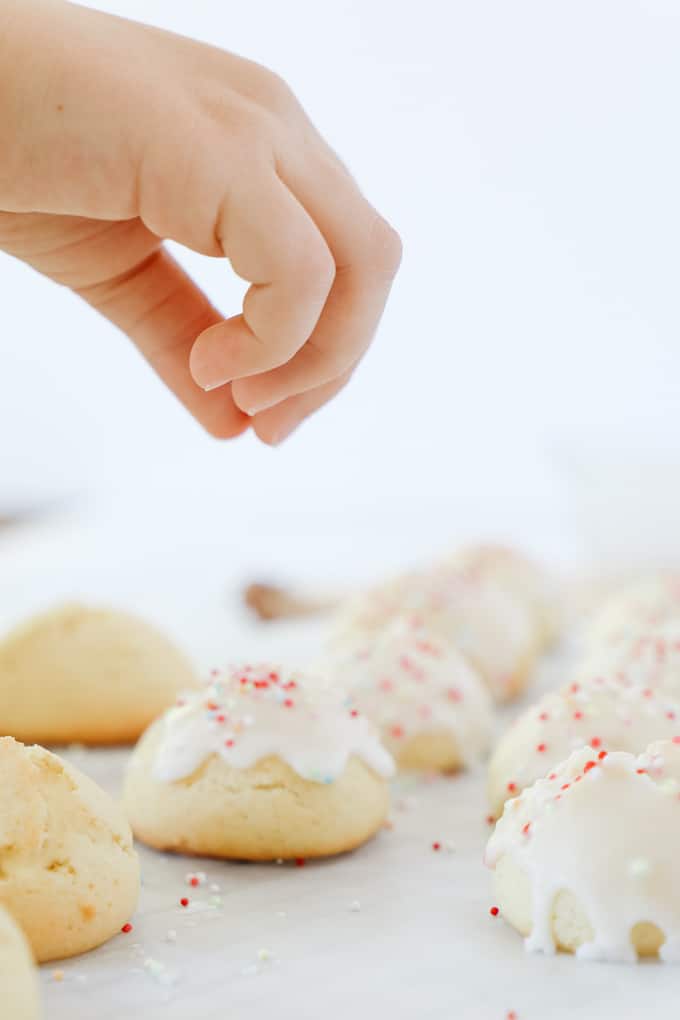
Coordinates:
[70,875]
[83,675]
[18,976]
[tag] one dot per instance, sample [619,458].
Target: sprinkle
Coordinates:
[355,906]
[215,887]
[436,846]
[565,786]
[578,715]
[397,732]
[300,862]
[229,743]
[57,975]
[453,694]
[544,716]
[494,911]
[641,772]
[553,775]
[595,742]
[602,754]
[512,787]
[511,1015]
[354,713]
[589,765]
[288,702]
[676,740]
[184,902]
[490,820]
[126,929]
[574,688]
[525,828]
[541,748]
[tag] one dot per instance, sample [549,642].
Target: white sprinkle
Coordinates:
[171,935]
[355,906]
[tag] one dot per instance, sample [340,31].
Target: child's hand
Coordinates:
[114,136]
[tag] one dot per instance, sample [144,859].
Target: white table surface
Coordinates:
[395,928]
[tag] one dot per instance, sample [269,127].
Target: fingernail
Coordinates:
[215,386]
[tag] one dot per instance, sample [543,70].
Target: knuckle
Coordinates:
[385,247]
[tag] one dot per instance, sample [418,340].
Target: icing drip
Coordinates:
[605,713]
[409,681]
[254,712]
[605,827]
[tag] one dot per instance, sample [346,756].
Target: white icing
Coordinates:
[643,604]
[520,576]
[602,712]
[252,713]
[495,631]
[650,657]
[608,830]
[409,680]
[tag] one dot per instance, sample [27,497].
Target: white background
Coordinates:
[528,153]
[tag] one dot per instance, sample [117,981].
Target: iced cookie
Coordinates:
[602,711]
[650,658]
[18,977]
[91,676]
[260,765]
[430,705]
[523,579]
[586,860]
[638,606]
[493,630]
[70,875]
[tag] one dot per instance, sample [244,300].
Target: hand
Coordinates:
[115,136]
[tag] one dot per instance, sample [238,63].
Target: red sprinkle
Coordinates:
[541,748]
[565,786]
[512,787]
[574,688]
[184,902]
[578,715]
[436,846]
[229,743]
[494,911]
[511,1015]
[490,820]
[354,713]
[602,754]
[641,772]
[553,775]
[288,702]
[543,716]
[676,740]
[525,828]
[126,928]
[595,742]
[193,881]
[397,732]
[300,862]
[589,765]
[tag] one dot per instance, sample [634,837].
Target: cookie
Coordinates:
[604,712]
[429,704]
[70,875]
[586,860]
[641,604]
[260,765]
[85,675]
[18,976]
[494,631]
[522,578]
